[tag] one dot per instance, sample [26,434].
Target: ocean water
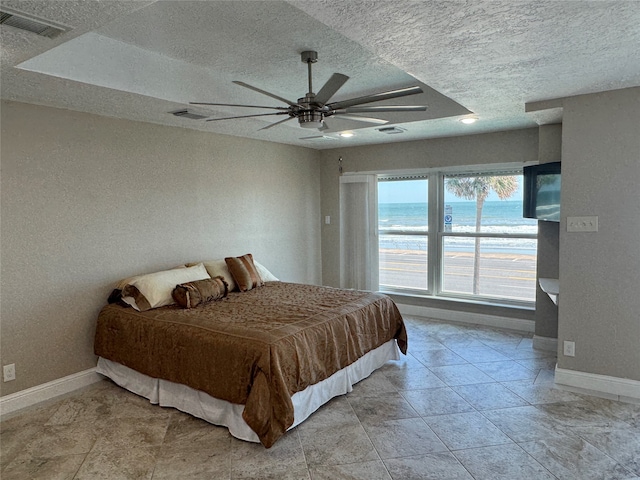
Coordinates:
[497,217]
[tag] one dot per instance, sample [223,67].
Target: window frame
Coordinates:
[436,236]
[430,283]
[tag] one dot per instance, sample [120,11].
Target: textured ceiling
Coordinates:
[140,60]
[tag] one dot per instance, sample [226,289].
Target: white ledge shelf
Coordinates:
[550,286]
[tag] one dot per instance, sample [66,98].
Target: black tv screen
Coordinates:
[542,192]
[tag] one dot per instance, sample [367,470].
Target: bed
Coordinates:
[257,361]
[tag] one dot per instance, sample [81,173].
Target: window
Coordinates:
[403,227]
[466,238]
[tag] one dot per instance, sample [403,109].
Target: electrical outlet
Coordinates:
[9,372]
[569,349]
[582,224]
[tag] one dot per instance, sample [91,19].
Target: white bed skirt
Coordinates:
[221,412]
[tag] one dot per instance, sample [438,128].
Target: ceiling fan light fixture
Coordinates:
[311,119]
[311,123]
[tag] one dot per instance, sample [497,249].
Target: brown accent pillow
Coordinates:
[244,272]
[192,294]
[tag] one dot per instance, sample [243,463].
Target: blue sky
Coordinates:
[415,191]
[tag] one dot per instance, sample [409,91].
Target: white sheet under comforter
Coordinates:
[221,412]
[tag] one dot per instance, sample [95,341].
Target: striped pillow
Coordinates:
[244,272]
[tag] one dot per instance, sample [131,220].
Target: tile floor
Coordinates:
[467,403]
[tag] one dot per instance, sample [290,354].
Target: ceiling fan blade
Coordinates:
[246,116]
[236,105]
[346,116]
[387,108]
[330,88]
[376,97]
[264,92]
[277,123]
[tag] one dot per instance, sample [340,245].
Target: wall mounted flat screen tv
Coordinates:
[541,189]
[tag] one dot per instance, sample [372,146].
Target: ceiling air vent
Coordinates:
[30,24]
[188,114]
[391,130]
[318,137]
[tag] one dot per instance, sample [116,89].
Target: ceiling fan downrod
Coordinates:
[309,57]
[309,117]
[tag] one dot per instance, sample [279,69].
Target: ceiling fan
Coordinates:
[312,109]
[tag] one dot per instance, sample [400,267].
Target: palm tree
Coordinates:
[478,188]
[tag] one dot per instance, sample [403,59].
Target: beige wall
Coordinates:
[600,271]
[87,200]
[493,148]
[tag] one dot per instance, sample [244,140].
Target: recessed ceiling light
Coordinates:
[469,120]
[346,134]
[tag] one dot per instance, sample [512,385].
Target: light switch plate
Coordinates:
[582,224]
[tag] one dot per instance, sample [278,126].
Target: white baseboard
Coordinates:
[518,324]
[46,391]
[545,343]
[622,388]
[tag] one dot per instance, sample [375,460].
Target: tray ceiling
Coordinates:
[141,60]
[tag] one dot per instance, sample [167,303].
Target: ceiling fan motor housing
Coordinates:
[311,119]
[310,116]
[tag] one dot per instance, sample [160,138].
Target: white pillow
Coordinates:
[154,290]
[265,274]
[125,281]
[218,268]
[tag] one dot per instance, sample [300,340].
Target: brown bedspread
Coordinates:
[255,348]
